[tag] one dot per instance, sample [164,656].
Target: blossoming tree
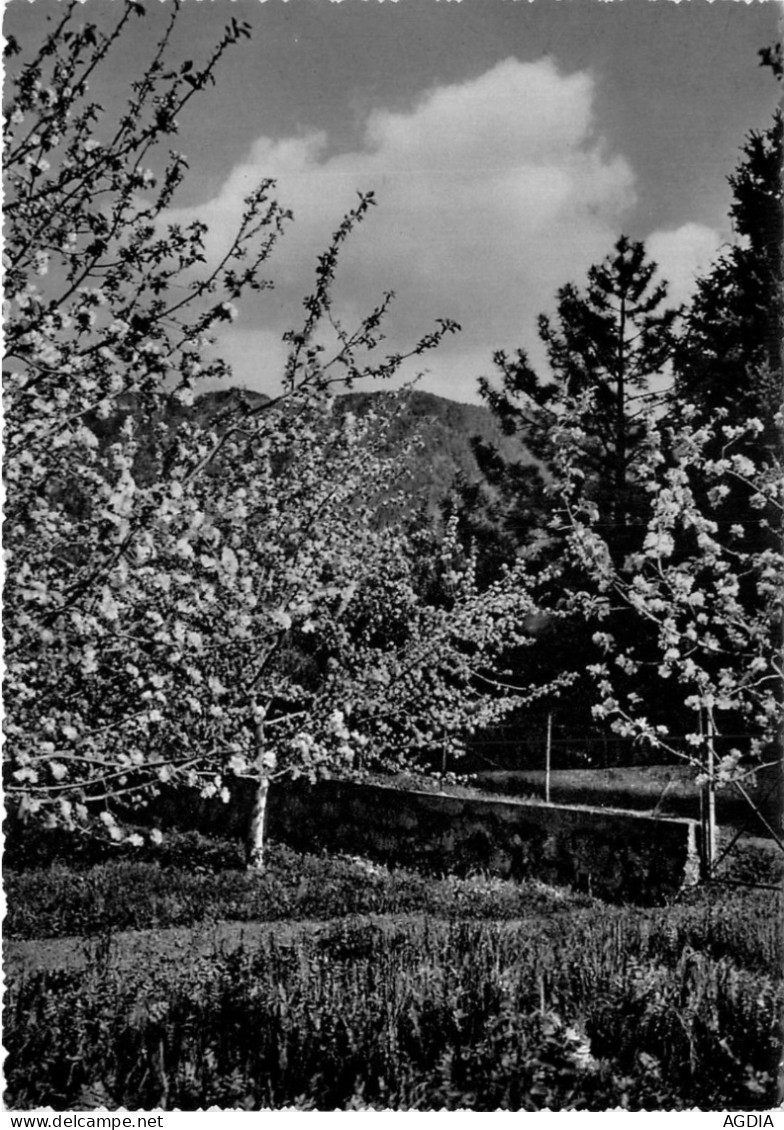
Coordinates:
[687,588]
[192,597]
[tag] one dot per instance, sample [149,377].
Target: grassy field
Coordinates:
[336,983]
[666,789]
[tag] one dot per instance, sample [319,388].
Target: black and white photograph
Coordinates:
[393,562]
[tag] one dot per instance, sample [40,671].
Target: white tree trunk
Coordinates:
[258,822]
[254,846]
[708,802]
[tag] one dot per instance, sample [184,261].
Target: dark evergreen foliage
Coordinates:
[605,345]
[730,356]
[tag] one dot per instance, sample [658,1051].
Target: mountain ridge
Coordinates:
[446,428]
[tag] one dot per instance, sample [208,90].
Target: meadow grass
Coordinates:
[413,1015]
[461,993]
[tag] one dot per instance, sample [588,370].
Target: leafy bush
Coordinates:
[183,889]
[423,1015]
[29,848]
[752,860]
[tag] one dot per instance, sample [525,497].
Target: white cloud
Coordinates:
[683,254]
[256,356]
[492,194]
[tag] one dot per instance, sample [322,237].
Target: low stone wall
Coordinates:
[617,855]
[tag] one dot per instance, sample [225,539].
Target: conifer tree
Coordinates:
[730,356]
[729,362]
[605,345]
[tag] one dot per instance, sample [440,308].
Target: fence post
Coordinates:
[547,756]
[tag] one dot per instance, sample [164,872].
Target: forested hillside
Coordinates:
[444,431]
[447,430]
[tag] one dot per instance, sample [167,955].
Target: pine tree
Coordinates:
[730,356]
[604,347]
[729,364]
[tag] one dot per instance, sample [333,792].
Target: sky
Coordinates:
[509,143]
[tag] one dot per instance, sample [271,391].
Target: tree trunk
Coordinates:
[708,804]
[254,844]
[254,847]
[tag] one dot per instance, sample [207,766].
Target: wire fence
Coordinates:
[677,781]
[514,747]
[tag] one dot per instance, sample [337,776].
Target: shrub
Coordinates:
[183,888]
